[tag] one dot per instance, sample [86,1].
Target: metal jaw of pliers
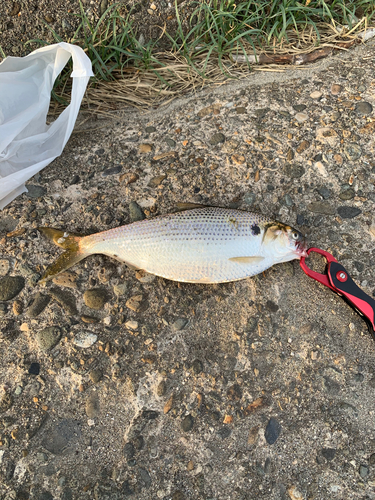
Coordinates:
[337,278]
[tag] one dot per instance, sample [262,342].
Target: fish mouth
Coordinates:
[301,248]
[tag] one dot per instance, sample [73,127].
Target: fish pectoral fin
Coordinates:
[247,260]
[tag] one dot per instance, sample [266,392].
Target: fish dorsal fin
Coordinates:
[181,206]
[252,261]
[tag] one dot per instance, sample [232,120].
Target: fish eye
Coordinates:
[295,235]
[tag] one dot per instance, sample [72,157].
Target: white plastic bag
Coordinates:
[27,143]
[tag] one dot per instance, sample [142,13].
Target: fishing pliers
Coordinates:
[337,278]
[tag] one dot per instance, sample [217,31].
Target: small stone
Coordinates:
[62,434]
[171,143]
[321,207]
[234,393]
[135,212]
[128,178]
[67,279]
[179,324]
[6,402]
[187,423]
[35,191]
[48,337]
[39,303]
[16,8]
[92,406]
[145,148]
[4,267]
[134,303]
[240,110]
[316,94]
[89,319]
[290,154]
[150,130]
[327,135]
[299,107]
[303,146]
[132,325]
[271,306]
[96,375]
[217,138]
[301,117]
[249,198]
[10,287]
[17,307]
[120,289]
[156,181]
[364,471]
[224,432]
[178,495]
[363,108]
[338,159]
[111,171]
[253,435]
[348,212]
[161,388]
[144,277]
[329,453]
[95,298]
[66,300]
[272,431]
[352,151]
[85,339]
[34,369]
[294,170]
[336,89]
[294,494]
[347,193]
[197,366]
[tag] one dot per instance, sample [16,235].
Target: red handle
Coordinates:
[322,278]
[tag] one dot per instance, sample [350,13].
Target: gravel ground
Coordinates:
[116,384]
[26,20]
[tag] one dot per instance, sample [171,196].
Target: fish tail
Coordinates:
[74,251]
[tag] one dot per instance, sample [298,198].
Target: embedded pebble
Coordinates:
[316,94]
[179,324]
[39,303]
[155,181]
[48,337]
[348,212]
[35,191]
[134,303]
[352,151]
[132,325]
[96,375]
[187,423]
[336,89]
[66,300]
[363,108]
[4,267]
[301,117]
[321,207]
[145,148]
[67,279]
[111,171]
[10,287]
[135,212]
[327,135]
[217,138]
[272,431]
[120,289]
[84,339]
[95,298]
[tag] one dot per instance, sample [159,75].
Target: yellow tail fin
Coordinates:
[72,254]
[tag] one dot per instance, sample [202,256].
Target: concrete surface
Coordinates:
[118,385]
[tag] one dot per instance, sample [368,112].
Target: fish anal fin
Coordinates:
[251,260]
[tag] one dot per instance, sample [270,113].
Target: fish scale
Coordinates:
[204,245]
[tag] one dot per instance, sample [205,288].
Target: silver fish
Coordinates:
[202,245]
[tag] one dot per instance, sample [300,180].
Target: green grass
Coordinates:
[215,30]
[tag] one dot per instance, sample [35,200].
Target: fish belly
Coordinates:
[194,246]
